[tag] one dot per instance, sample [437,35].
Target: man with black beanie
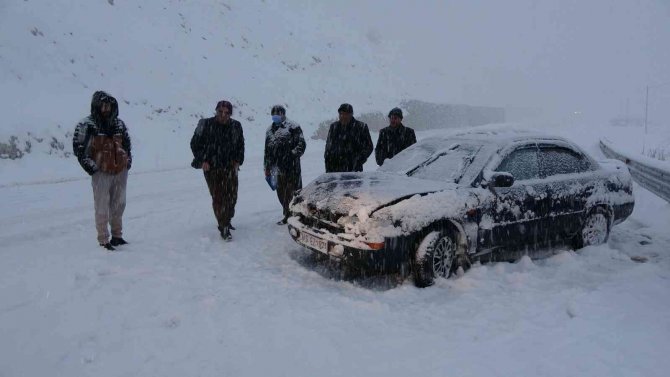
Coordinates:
[349,144]
[394,138]
[218,149]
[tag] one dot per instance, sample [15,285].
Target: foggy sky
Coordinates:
[569,58]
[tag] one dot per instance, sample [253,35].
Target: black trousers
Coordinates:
[222,184]
[287,184]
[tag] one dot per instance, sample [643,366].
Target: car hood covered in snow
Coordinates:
[351,193]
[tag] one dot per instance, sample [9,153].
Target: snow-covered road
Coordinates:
[178,301]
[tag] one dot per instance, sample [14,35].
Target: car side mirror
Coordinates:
[501,179]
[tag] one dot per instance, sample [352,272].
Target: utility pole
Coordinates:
[646,108]
[646,111]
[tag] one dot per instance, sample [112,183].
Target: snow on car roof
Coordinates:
[497,134]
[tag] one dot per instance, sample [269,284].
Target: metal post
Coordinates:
[646,108]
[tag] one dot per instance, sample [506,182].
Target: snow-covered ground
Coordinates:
[180,301]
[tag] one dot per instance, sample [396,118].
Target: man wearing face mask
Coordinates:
[102,146]
[218,149]
[349,143]
[284,145]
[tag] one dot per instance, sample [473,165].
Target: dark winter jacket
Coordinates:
[284,144]
[347,147]
[95,125]
[217,144]
[392,141]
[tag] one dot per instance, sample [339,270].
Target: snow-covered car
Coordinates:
[452,199]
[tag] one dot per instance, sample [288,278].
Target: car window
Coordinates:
[434,159]
[522,163]
[414,156]
[557,160]
[447,165]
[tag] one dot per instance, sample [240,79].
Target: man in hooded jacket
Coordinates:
[394,138]
[102,146]
[284,145]
[218,149]
[349,144]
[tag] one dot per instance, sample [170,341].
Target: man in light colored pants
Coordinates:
[109,196]
[102,146]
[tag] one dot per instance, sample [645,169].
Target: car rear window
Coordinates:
[522,163]
[557,160]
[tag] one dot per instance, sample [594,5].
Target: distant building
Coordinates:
[627,122]
[422,115]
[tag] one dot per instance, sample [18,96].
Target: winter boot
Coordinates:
[116,241]
[108,246]
[225,233]
[231,227]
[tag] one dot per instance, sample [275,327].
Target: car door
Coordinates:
[518,209]
[566,174]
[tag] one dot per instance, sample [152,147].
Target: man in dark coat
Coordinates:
[218,149]
[102,146]
[284,144]
[394,138]
[349,143]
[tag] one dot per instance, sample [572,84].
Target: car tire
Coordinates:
[434,258]
[595,229]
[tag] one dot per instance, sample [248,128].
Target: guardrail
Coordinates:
[654,178]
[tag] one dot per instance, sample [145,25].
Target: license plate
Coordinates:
[313,242]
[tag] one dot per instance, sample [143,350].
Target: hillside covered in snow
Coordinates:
[169,62]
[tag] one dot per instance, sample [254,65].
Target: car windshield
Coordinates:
[434,159]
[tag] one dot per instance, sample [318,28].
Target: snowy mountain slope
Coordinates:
[168,62]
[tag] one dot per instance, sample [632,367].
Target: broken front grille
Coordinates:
[324,223]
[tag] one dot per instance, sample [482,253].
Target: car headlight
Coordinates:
[350,224]
[347,220]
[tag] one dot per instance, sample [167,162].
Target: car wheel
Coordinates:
[435,257]
[595,230]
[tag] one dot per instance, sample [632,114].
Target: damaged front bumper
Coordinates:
[389,255]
